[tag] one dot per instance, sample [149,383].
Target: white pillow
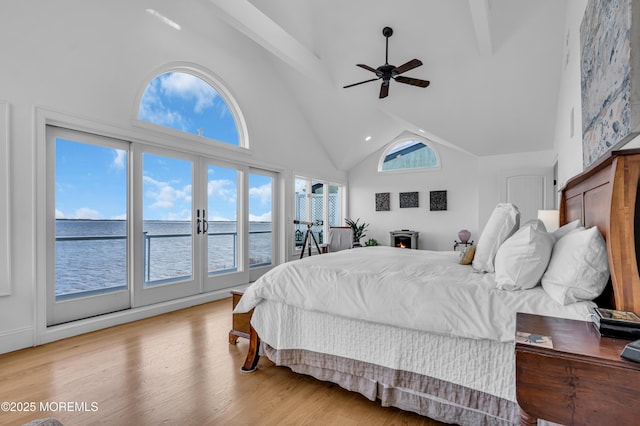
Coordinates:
[566,228]
[522,259]
[503,222]
[578,269]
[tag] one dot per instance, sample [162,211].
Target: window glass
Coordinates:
[260,221]
[187,103]
[300,210]
[91,219]
[409,154]
[312,206]
[335,207]
[167,218]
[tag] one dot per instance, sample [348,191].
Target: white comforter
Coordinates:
[416,289]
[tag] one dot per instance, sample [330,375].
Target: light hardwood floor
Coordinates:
[174,369]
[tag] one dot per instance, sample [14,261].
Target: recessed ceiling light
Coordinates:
[367,139]
[164,19]
[421,131]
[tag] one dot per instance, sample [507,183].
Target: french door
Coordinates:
[136,225]
[191,227]
[88,227]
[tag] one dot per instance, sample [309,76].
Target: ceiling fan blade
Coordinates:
[414,63]
[384,90]
[412,81]
[367,67]
[362,82]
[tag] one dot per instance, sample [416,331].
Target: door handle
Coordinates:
[205,222]
[198,222]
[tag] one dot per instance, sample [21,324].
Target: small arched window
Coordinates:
[185,102]
[409,154]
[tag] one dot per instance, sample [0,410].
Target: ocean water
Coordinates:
[91,255]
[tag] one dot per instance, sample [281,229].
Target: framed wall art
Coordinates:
[409,199]
[437,200]
[383,201]
[609,82]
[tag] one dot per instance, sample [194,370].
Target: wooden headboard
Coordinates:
[606,195]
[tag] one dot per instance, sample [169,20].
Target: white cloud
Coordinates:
[118,160]
[59,214]
[223,189]
[87,213]
[186,86]
[164,195]
[153,110]
[122,216]
[263,193]
[265,217]
[183,214]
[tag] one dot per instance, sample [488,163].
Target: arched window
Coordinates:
[409,154]
[183,101]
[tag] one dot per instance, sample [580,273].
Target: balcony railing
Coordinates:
[264,260]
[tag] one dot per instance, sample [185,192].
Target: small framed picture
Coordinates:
[383,201]
[408,199]
[438,200]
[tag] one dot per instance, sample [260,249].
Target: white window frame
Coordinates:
[413,138]
[218,85]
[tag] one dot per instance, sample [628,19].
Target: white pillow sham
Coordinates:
[503,222]
[566,228]
[579,268]
[523,258]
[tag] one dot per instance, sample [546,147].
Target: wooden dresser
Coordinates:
[582,380]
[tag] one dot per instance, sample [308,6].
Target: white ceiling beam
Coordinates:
[480,17]
[249,20]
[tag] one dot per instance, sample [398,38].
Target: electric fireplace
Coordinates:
[404,238]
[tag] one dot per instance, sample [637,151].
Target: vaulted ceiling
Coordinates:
[494,68]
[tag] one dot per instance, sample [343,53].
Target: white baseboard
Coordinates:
[13,340]
[75,328]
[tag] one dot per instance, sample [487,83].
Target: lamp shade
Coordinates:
[550,218]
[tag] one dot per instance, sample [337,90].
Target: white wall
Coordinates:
[91,59]
[491,173]
[473,185]
[568,134]
[438,229]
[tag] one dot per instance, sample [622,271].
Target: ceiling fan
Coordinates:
[387,72]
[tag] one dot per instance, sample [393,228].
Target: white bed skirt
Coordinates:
[453,380]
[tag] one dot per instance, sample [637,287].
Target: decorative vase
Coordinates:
[464,236]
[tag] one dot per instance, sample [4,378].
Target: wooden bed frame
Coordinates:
[605,195]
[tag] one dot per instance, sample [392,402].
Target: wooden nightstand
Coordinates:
[581,380]
[241,322]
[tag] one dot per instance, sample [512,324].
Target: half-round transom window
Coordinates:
[408,155]
[184,102]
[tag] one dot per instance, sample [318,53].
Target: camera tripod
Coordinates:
[308,240]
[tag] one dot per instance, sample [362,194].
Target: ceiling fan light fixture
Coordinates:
[387,72]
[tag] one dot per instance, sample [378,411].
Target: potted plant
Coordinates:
[371,242]
[358,230]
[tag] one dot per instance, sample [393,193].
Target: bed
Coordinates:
[439,338]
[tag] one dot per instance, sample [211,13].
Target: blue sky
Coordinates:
[91,181]
[184,102]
